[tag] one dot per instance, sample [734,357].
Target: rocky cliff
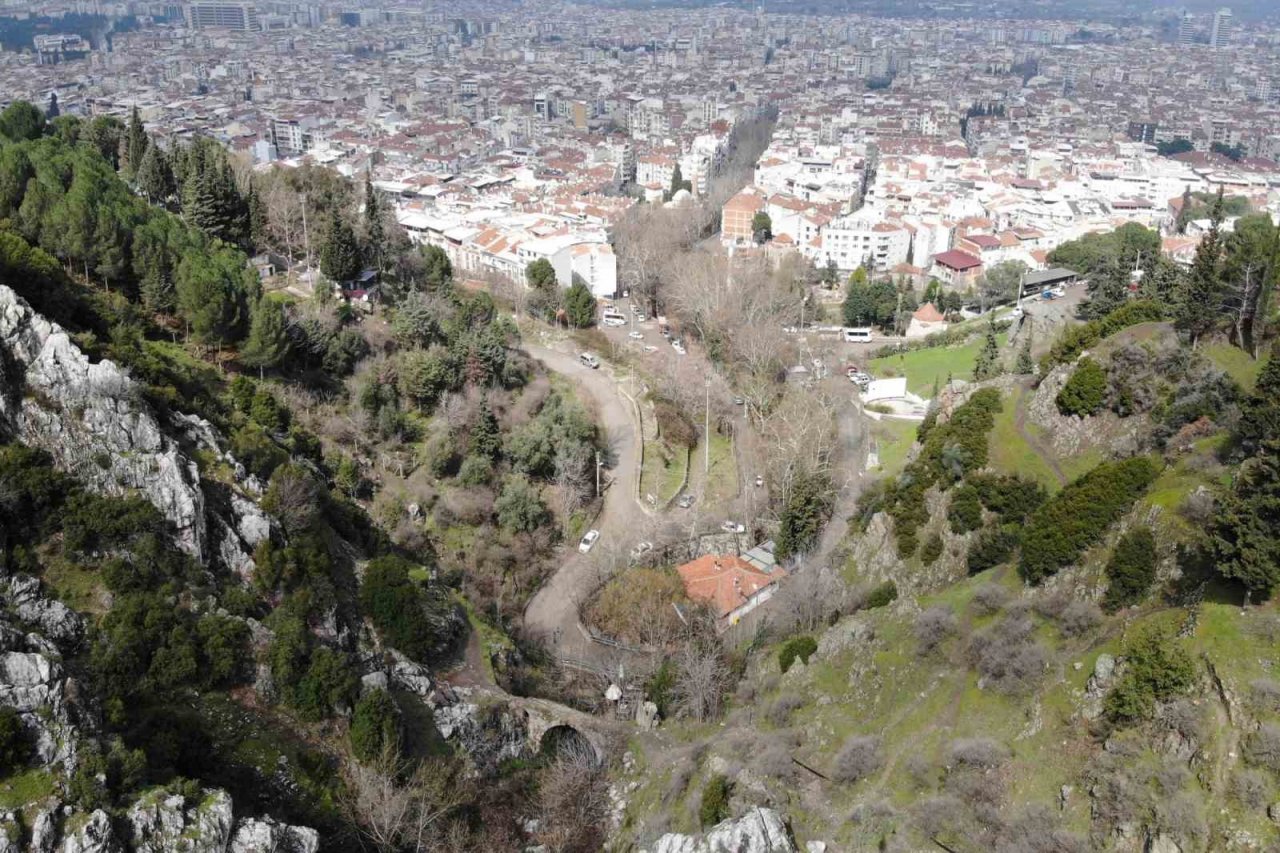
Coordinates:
[91,418]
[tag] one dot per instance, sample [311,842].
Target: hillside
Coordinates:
[1124,700]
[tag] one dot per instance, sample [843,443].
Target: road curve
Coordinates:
[553,611]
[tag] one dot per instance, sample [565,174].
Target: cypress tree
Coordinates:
[154,178]
[340,255]
[257,216]
[486,439]
[1200,300]
[135,143]
[52,111]
[375,230]
[1026,365]
[988,365]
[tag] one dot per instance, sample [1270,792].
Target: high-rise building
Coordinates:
[1221,28]
[1186,29]
[225,16]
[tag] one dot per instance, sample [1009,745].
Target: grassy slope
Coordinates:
[893,441]
[925,367]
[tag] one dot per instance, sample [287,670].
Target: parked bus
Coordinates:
[857,336]
[613,318]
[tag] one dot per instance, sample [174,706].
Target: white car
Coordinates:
[587,541]
[678,347]
[636,336]
[589,360]
[732,527]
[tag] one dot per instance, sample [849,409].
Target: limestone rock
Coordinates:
[758,831]
[1104,673]
[57,621]
[647,716]
[93,836]
[255,835]
[1162,843]
[44,832]
[168,823]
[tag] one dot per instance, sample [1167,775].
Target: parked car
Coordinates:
[678,347]
[685,501]
[640,550]
[637,336]
[732,527]
[589,360]
[588,540]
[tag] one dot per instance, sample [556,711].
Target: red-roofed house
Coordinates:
[926,320]
[729,585]
[956,269]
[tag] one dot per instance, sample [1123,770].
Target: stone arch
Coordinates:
[564,739]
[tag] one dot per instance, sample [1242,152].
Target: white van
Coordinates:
[613,318]
[857,336]
[589,360]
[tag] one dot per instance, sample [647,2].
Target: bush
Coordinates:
[991,548]
[1085,391]
[1009,496]
[981,753]
[779,713]
[933,547]
[419,620]
[965,511]
[933,627]
[808,509]
[1077,339]
[15,744]
[1157,669]
[882,596]
[1251,789]
[1262,747]
[475,471]
[1007,656]
[1076,518]
[375,726]
[796,647]
[715,800]
[988,599]
[860,756]
[1078,618]
[1132,568]
[660,688]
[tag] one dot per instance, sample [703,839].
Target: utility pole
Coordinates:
[706,431]
[597,473]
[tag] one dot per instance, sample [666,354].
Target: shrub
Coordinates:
[15,745]
[1075,518]
[965,511]
[660,688]
[1009,496]
[637,606]
[1076,339]
[796,647]
[1262,747]
[475,471]
[715,800]
[860,756]
[419,620]
[981,753]
[1079,617]
[808,509]
[779,713]
[988,599]
[933,627]
[1251,789]
[1085,391]
[1132,568]
[375,726]
[883,595]
[1157,669]
[933,547]
[991,548]
[1007,655]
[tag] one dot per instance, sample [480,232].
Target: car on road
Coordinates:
[685,501]
[588,540]
[589,360]
[860,379]
[732,527]
[640,550]
[650,348]
[637,336]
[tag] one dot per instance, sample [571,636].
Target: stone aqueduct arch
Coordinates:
[549,722]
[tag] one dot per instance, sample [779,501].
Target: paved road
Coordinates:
[553,612]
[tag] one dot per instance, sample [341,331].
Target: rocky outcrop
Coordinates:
[91,418]
[91,835]
[165,822]
[758,831]
[253,836]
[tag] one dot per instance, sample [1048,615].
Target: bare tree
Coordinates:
[573,470]
[573,799]
[808,598]
[396,806]
[702,681]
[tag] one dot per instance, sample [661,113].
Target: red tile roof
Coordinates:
[957,260]
[725,582]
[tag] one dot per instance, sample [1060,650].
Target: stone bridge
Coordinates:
[552,726]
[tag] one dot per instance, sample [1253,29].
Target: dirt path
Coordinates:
[1020,424]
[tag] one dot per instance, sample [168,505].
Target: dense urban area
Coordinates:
[660,426]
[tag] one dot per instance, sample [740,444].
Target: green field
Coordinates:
[722,476]
[1011,453]
[1235,362]
[893,441]
[663,471]
[924,368]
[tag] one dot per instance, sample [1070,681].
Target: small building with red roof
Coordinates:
[957,269]
[730,585]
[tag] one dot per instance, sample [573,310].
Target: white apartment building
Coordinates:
[852,241]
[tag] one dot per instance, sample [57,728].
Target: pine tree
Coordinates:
[268,341]
[340,255]
[1026,365]
[580,304]
[1184,213]
[375,229]
[154,178]
[988,365]
[135,143]
[1199,304]
[486,439]
[257,217]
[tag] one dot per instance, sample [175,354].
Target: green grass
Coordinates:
[722,476]
[1234,362]
[1011,453]
[29,786]
[79,588]
[894,440]
[924,368]
[492,640]
[663,471]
